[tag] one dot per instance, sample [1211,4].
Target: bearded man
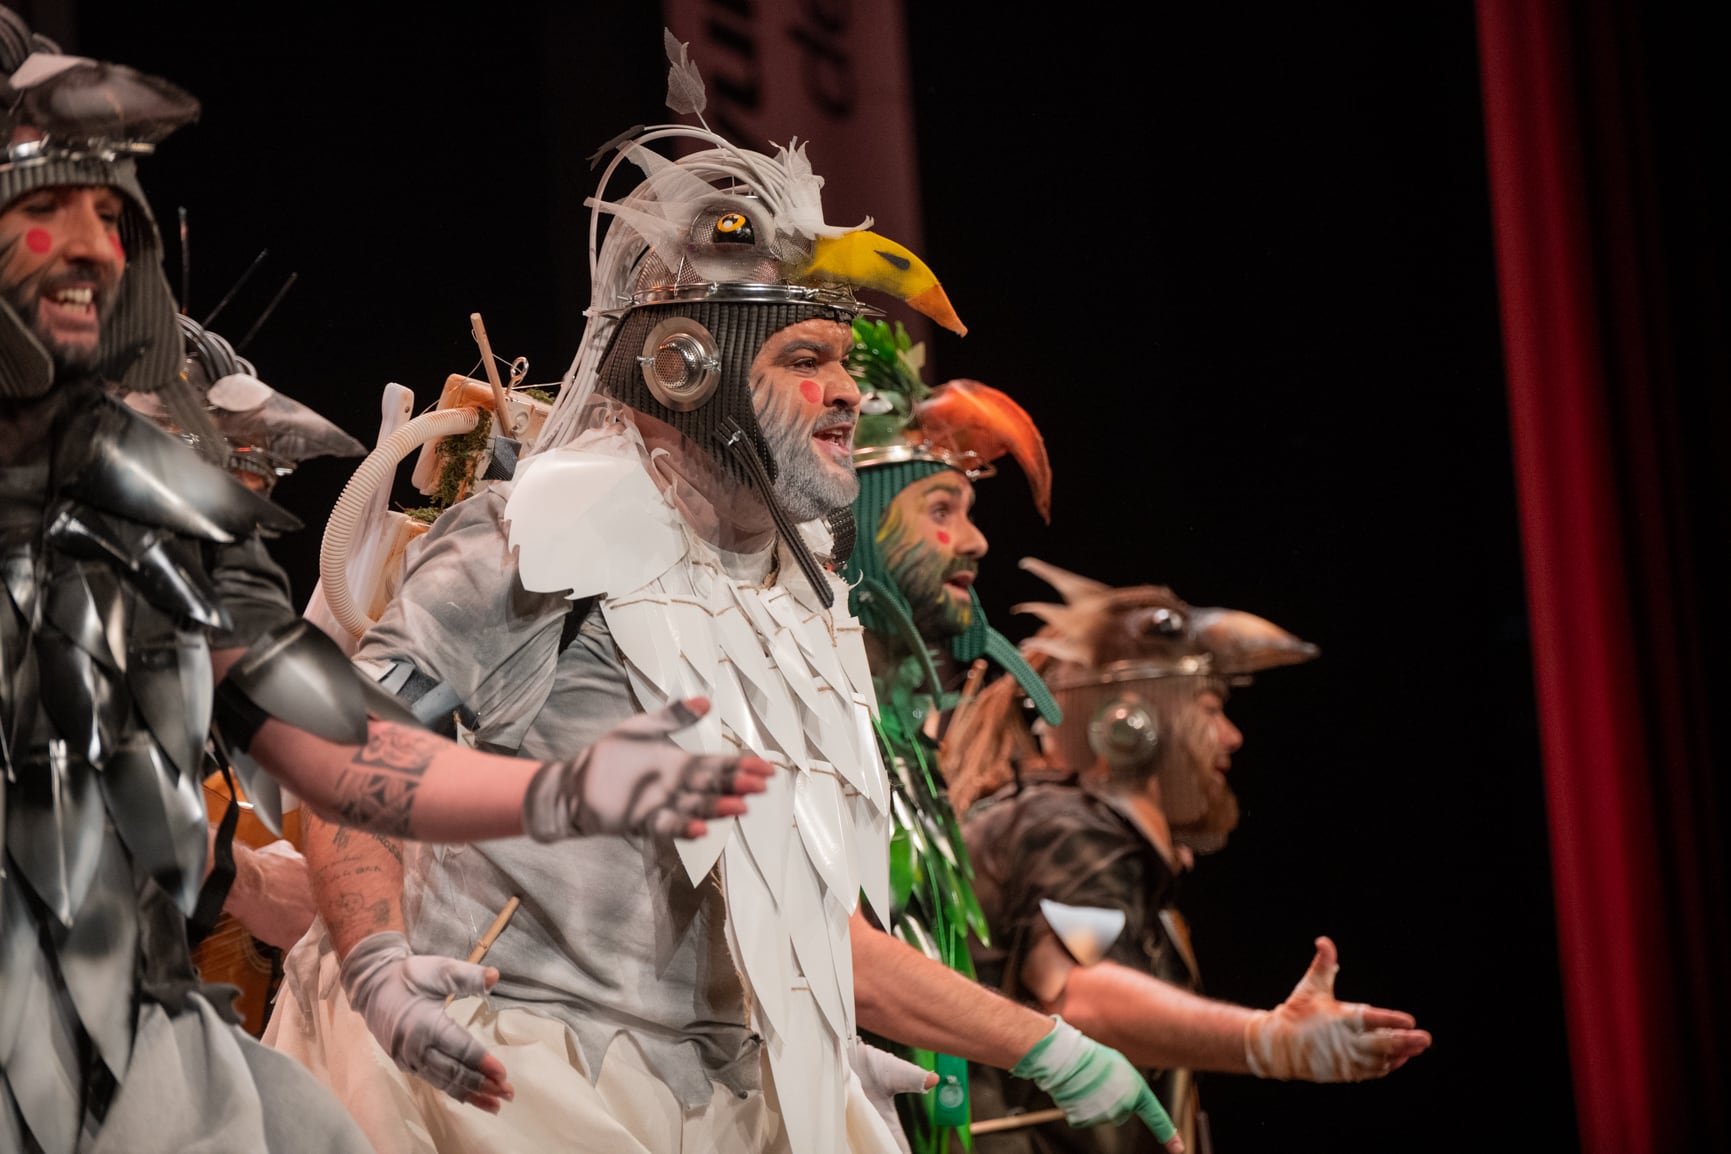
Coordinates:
[664,535]
[1079,833]
[142,616]
[911,572]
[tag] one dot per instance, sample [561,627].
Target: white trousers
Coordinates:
[557,1106]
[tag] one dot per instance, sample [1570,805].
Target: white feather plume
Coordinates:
[685,93]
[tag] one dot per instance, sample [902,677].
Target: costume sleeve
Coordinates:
[1057,843]
[1071,851]
[253,589]
[463,619]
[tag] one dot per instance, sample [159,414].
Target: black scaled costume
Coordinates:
[126,559]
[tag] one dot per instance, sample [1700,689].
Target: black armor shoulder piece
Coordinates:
[121,463]
[298,675]
[295,674]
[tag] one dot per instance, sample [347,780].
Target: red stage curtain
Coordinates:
[1596,403]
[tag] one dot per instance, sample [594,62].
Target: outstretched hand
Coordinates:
[1312,1037]
[402,998]
[634,780]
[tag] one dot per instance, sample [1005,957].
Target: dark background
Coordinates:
[1237,263]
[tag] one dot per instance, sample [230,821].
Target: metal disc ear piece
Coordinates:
[681,363]
[1123,732]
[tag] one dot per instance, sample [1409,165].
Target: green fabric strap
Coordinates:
[889,614]
[1000,649]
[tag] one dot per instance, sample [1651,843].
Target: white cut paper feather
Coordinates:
[684,82]
[587,522]
[808,917]
[577,507]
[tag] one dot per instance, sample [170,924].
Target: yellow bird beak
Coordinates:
[867,260]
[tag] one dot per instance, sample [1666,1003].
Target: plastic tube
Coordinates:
[378,469]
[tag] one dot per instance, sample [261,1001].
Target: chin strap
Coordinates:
[870,591]
[740,448]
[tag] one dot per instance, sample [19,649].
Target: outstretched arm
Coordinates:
[901,994]
[403,781]
[1310,1037]
[905,996]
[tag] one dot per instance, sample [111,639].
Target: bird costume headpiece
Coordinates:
[1120,661]
[908,431]
[267,432]
[702,261]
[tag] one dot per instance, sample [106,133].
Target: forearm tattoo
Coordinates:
[343,835]
[379,795]
[347,866]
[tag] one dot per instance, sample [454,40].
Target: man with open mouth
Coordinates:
[1080,833]
[663,535]
[140,617]
[912,568]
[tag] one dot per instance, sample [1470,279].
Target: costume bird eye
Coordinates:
[1157,623]
[733,228]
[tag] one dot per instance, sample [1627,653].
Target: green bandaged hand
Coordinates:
[1090,1082]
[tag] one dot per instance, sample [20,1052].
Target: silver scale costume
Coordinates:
[126,558]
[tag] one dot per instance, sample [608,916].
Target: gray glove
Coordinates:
[882,1076]
[632,780]
[402,998]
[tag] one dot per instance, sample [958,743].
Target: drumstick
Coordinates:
[494,930]
[491,936]
[1016,1121]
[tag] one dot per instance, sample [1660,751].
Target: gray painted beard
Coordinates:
[804,486]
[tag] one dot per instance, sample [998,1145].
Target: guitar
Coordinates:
[230,953]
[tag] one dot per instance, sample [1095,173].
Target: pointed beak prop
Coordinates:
[969,416]
[867,260]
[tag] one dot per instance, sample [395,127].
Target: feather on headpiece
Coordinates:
[723,224]
[730,216]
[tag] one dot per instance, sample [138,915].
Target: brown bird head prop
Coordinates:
[1141,677]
